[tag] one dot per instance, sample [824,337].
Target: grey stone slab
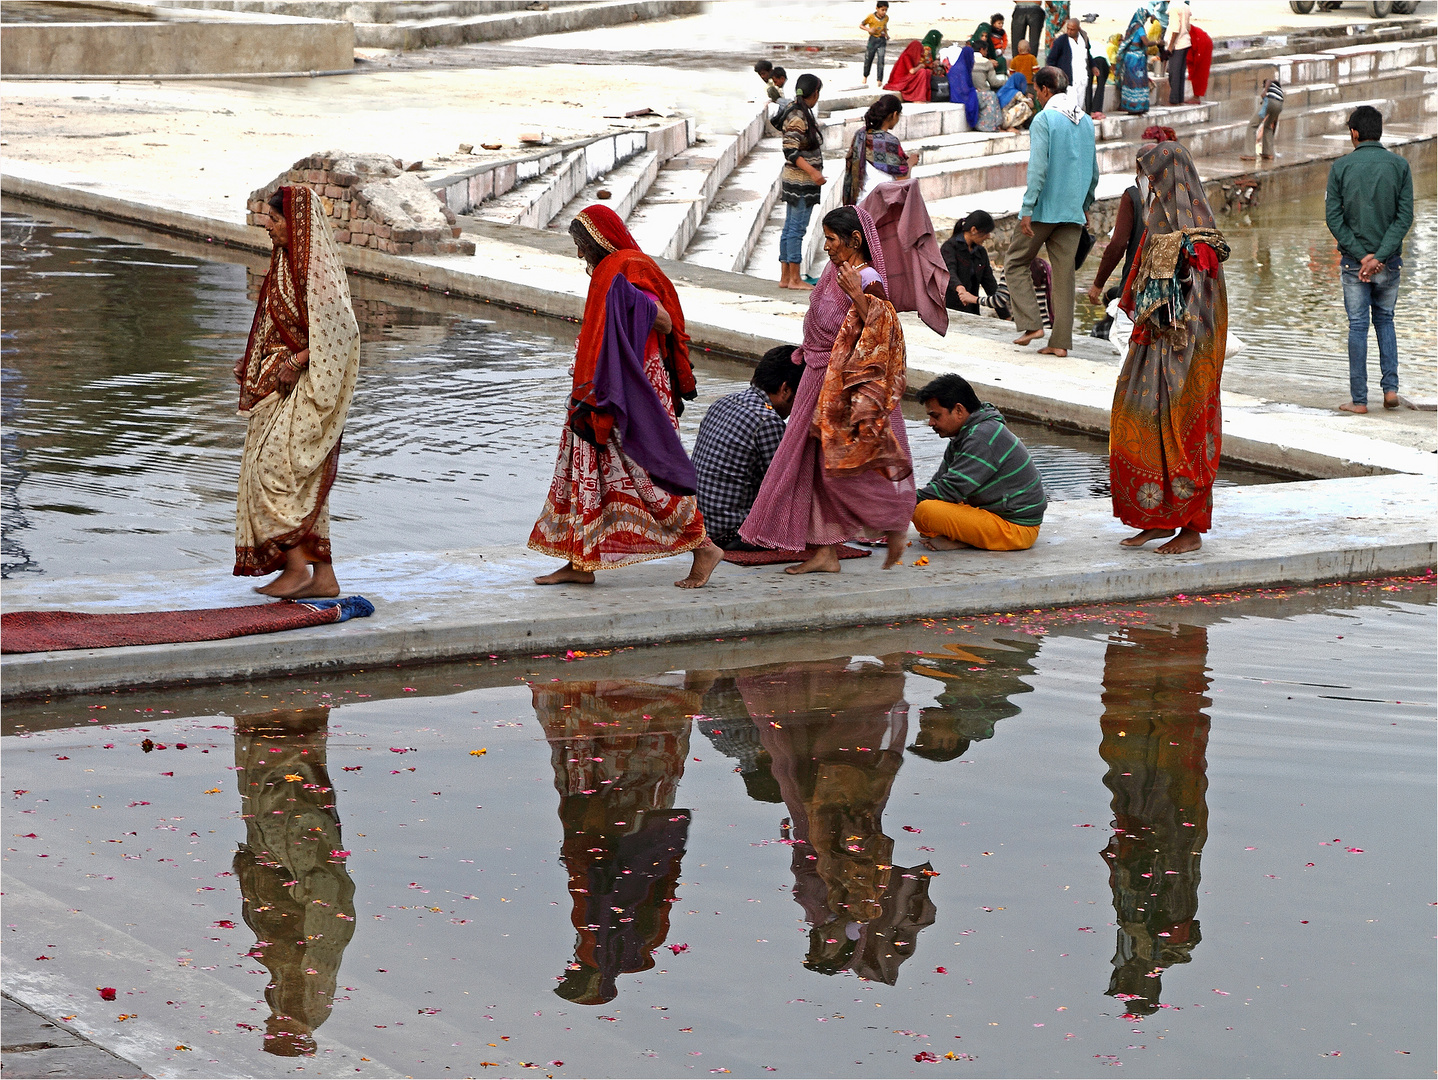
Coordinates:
[37,1047]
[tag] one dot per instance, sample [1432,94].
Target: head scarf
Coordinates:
[961,85]
[1156,133]
[932,40]
[828,304]
[606,229]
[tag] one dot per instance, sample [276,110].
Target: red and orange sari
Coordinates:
[604,508]
[1166,431]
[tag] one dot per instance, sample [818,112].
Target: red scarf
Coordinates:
[607,230]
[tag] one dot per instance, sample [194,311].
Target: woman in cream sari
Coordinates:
[296,381]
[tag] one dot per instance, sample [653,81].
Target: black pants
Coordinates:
[1177,69]
[1028,21]
[1097,84]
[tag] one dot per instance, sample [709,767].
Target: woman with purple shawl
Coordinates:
[801,504]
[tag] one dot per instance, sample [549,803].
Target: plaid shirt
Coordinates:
[737,440]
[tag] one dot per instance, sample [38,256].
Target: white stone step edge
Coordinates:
[750,216]
[626,185]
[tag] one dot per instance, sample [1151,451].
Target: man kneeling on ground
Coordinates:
[737,439]
[987,492]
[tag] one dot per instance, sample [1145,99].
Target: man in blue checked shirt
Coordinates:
[737,440]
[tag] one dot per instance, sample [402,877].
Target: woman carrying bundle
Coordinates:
[623,488]
[875,156]
[843,468]
[1166,432]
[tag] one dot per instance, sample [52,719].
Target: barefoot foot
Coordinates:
[825,561]
[1139,539]
[322,585]
[1025,338]
[566,575]
[706,558]
[1390,399]
[1051,350]
[898,540]
[941,543]
[1349,406]
[1186,540]
[288,582]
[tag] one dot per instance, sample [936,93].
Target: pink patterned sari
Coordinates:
[798,503]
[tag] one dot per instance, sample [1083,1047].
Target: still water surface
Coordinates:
[1192,839]
[122,447]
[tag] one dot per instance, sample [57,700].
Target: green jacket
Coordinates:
[1369,206]
[986,466]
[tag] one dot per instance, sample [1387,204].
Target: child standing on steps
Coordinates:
[877,25]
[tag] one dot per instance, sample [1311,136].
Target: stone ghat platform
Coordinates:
[434,606]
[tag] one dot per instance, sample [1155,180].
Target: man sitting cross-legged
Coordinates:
[737,439]
[987,492]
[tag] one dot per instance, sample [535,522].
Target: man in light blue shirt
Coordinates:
[1063,173]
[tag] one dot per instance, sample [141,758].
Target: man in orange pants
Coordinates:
[987,492]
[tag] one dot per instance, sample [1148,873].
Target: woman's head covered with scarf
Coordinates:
[603,229]
[932,40]
[1158,133]
[1178,200]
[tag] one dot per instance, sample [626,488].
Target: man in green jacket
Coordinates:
[987,492]
[1369,209]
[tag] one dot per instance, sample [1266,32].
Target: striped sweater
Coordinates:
[986,466]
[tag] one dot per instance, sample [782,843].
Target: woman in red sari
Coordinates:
[1200,62]
[623,488]
[1167,431]
[912,77]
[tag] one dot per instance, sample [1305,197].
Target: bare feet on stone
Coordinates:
[1139,539]
[1390,399]
[825,561]
[1349,406]
[1051,350]
[1186,540]
[285,583]
[321,585]
[567,575]
[941,543]
[1025,338]
[897,540]
[706,558]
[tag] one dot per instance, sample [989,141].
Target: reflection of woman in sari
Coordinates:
[836,737]
[297,895]
[1166,431]
[623,488]
[912,77]
[1133,65]
[296,381]
[1154,737]
[618,751]
[843,468]
[875,156]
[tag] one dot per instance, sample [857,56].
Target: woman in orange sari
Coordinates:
[1167,430]
[623,488]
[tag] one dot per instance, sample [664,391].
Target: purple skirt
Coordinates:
[799,504]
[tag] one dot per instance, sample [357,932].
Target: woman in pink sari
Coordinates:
[801,504]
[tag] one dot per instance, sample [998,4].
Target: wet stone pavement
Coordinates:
[1178,839]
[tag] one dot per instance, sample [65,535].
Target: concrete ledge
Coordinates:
[453,605]
[418,34]
[176,45]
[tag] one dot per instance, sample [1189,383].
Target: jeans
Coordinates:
[796,223]
[873,49]
[1380,296]
[1177,72]
[1097,84]
[1265,117]
[1027,21]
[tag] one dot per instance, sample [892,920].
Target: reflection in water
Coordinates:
[726,722]
[298,896]
[618,751]
[1154,737]
[835,735]
[978,693]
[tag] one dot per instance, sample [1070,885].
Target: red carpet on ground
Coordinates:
[764,558]
[47,631]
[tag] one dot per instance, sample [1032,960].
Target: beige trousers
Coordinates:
[1062,241]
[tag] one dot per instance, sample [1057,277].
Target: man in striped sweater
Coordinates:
[986,493]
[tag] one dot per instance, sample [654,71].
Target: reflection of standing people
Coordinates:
[297,894]
[623,488]
[836,737]
[980,683]
[1062,177]
[1154,737]
[1369,210]
[810,495]
[1166,429]
[618,752]
[296,381]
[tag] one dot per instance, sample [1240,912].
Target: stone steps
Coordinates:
[726,237]
[448,28]
[626,185]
